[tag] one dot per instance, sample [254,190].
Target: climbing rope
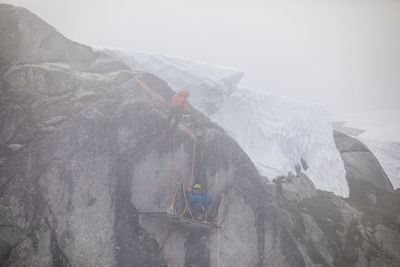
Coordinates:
[172,246]
[223,245]
[194,155]
[162,101]
[165,104]
[173,200]
[222,239]
[192,174]
[173,176]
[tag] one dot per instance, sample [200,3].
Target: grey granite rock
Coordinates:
[318,238]
[360,163]
[389,240]
[364,166]
[297,188]
[92,155]
[345,143]
[26,39]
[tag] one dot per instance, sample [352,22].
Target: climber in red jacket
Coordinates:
[178,106]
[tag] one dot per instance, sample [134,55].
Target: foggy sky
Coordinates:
[342,54]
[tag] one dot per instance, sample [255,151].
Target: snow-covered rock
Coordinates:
[208,84]
[277,132]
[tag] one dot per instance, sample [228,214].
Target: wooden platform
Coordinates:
[180,221]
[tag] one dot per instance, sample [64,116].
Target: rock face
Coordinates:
[82,153]
[27,40]
[360,163]
[332,231]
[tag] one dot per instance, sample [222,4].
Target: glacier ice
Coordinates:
[277,132]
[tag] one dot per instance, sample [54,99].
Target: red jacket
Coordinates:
[180,99]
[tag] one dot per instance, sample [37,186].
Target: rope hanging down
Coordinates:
[165,105]
[173,176]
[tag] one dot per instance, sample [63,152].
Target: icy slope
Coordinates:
[381,134]
[277,132]
[208,84]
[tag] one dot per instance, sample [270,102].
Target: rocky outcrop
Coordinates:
[296,188]
[321,220]
[29,40]
[360,163]
[332,231]
[389,240]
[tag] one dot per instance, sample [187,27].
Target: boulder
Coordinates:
[296,188]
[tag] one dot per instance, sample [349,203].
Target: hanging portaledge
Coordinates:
[181,221]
